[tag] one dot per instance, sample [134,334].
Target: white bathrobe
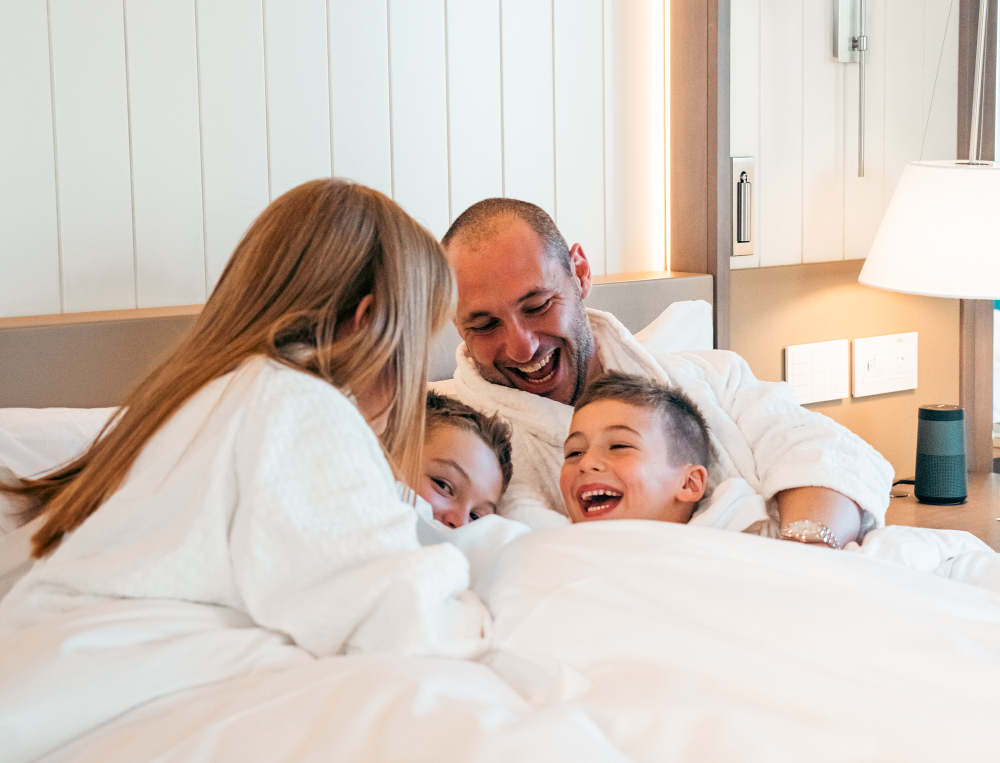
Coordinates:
[758,430]
[260,526]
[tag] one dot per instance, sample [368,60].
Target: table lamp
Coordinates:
[940,237]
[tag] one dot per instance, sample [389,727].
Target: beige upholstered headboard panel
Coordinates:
[91,360]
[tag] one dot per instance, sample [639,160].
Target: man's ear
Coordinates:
[693,487]
[581,269]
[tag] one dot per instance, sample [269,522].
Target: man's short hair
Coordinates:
[487,217]
[492,430]
[684,426]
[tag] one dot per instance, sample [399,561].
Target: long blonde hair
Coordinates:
[298,276]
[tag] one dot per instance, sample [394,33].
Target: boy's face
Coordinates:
[460,476]
[619,466]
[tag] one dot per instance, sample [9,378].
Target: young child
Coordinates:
[636,450]
[466,462]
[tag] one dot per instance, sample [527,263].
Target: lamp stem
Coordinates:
[977,88]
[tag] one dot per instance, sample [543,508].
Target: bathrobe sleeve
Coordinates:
[323,549]
[761,433]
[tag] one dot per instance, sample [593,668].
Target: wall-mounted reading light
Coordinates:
[850,41]
[742,205]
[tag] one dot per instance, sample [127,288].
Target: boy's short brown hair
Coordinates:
[685,427]
[492,430]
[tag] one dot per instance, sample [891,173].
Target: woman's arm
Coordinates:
[322,547]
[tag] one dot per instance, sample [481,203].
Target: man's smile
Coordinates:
[542,371]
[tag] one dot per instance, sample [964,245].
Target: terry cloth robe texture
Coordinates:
[260,526]
[757,429]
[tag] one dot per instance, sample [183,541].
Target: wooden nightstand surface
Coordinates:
[978,515]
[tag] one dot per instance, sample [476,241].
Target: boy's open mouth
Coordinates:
[542,371]
[599,500]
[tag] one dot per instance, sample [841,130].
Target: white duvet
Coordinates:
[616,641]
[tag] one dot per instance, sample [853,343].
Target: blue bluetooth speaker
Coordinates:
[940,475]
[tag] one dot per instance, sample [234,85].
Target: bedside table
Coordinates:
[978,515]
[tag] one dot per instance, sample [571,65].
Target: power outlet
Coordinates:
[885,364]
[818,371]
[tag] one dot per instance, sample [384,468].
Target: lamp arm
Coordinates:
[977,88]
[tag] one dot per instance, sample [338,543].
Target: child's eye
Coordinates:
[618,445]
[573,454]
[473,516]
[442,485]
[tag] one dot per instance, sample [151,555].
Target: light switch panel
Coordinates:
[885,364]
[818,371]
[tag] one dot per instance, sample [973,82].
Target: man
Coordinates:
[531,347]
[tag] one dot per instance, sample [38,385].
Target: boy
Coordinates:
[466,463]
[636,450]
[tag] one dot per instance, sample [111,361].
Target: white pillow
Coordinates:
[34,441]
[685,325]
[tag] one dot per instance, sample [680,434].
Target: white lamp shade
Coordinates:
[941,233]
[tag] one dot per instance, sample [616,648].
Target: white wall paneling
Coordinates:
[359,84]
[941,86]
[579,124]
[529,153]
[779,171]
[904,29]
[865,197]
[92,149]
[635,135]
[801,122]
[166,152]
[233,124]
[822,140]
[29,242]
[744,89]
[474,102]
[140,139]
[419,110]
[298,92]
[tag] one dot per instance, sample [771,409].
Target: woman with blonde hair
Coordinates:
[241,508]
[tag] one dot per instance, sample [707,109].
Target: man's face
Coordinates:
[521,314]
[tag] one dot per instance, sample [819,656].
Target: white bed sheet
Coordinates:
[633,640]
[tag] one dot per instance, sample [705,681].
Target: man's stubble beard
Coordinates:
[579,342]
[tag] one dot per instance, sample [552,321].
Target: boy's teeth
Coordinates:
[536,366]
[592,493]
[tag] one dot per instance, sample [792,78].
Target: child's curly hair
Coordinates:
[492,430]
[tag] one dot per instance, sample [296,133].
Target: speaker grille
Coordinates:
[940,479]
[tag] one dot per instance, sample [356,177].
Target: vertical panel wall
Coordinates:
[528,112]
[90,98]
[359,87]
[744,100]
[795,109]
[29,234]
[635,135]
[233,124]
[418,74]
[298,92]
[139,140]
[166,152]
[474,102]
[579,126]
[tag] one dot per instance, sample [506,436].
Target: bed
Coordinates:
[624,641]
